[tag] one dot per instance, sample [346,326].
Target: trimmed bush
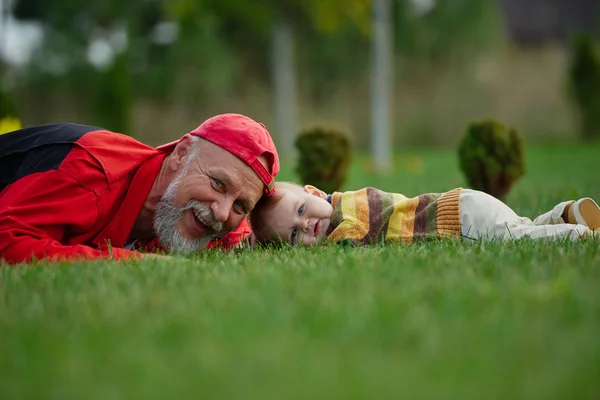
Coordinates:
[7,106]
[491,157]
[324,157]
[584,84]
[113,101]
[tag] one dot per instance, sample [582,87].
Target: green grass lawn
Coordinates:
[442,320]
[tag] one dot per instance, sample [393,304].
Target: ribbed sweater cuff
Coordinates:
[448,213]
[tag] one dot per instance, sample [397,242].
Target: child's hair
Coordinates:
[261,230]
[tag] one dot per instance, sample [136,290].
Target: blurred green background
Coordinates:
[155,69]
[441,320]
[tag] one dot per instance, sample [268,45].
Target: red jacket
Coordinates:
[73,191]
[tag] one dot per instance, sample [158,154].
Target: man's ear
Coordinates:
[181,150]
[315,191]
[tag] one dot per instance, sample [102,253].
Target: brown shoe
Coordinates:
[585,212]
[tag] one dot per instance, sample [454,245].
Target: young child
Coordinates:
[307,215]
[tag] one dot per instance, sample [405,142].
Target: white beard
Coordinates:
[167,216]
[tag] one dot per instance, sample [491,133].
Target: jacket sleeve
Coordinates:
[39,210]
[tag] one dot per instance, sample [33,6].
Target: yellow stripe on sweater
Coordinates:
[408,222]
[394,226]
[356,209]
[362,210]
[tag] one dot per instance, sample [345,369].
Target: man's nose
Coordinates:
[222,209]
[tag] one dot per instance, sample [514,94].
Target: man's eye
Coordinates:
[301,210]
[217,183]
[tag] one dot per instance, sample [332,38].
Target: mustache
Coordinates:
[205,215]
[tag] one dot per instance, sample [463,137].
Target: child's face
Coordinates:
[302,216]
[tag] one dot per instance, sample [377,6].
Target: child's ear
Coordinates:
[315,191]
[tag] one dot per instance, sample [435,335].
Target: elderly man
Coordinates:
[71,191]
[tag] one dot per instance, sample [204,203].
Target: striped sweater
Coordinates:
[370,216]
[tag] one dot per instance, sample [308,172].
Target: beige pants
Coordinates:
[484,217]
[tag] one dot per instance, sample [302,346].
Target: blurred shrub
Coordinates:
[584,84]
[113,100]
[9,120]
[491,157]
[324,157]
[7,106]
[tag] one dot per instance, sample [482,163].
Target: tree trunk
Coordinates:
[381,86]
[284,84]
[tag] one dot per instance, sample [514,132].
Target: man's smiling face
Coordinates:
[210,195]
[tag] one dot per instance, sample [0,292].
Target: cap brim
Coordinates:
[168,147]
[256,166]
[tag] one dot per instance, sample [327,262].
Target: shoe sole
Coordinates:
[589,212]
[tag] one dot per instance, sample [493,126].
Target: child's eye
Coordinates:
[301,210]
[239,207]
[294,234]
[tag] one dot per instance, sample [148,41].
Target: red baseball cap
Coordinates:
[244,138]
